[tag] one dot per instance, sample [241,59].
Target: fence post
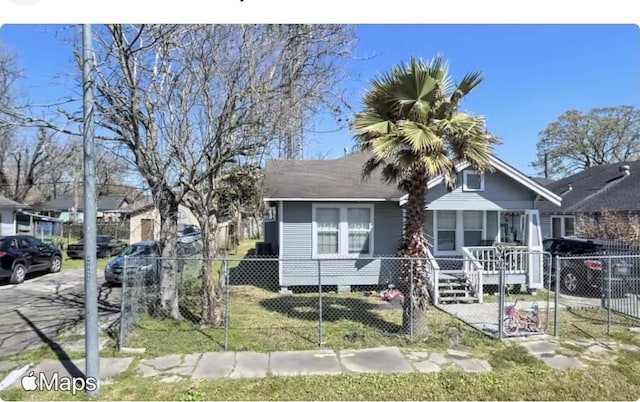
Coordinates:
[548,287]
[557,266]
[123,299]
[410,295]
[320,341]
[226,302]
[501,295]
[608,300]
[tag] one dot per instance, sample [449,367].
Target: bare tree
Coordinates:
[577,140]
[253,85]
[190,102]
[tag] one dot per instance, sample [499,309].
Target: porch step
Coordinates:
[458,291]
[455,299]
[453,287]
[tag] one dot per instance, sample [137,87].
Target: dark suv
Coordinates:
[20,255]
[584,274]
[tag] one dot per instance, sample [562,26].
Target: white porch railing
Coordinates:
[473,271]
[435,273]
[515,258]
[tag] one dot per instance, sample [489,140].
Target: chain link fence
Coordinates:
[251,310]
[602,292]
[267,303]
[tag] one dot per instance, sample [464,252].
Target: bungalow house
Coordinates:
[109,208]
[612,187]
[326,215]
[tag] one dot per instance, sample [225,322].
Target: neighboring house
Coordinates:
[612,187]
[15,218]
[323,211]
[109,208]
[8,210]
[144,221]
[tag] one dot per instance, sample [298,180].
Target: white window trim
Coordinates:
[459,232]
[343,231]
[464,180]
[562,224]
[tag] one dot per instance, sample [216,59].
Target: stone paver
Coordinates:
[427,366]
[214,365]
[304,362]
[375,360]
[250,365]
[163,362]
[473,365]
[438,358]
[541,347]
[109,367]
[563,362]
[456,354]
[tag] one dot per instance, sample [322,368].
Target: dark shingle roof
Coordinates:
[64,203]
[597,188]
[543,181]
[6,203]
[325,178]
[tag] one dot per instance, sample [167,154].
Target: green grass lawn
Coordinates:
[68,263]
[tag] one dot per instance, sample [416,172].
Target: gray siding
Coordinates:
[298,268]
[545,226]
[428,228]
[500,192]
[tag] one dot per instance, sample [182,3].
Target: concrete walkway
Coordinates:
[216,365]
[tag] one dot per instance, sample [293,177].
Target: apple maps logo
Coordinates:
[58,383]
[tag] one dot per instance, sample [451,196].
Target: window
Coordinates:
[328,233]
[33,242]
[563,226]
[446,227]
[472,181]
[342,230]
[472,221]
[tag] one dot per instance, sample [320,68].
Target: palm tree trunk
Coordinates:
[416,280]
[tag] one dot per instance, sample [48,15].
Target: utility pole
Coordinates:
[92,357]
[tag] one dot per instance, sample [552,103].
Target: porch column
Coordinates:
[533,237]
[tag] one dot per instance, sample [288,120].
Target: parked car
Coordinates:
[20,255]
[584,274]
[142,260]
[189,240]
[143,263]
[106,247]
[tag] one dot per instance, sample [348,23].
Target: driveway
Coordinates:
[37,311]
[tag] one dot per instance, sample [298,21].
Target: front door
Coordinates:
[146,228]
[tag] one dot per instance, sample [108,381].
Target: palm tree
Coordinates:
[414,131]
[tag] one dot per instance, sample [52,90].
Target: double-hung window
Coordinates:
[342,230]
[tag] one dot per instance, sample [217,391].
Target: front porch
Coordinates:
[469,249]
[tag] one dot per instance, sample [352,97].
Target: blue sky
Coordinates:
[533,73]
